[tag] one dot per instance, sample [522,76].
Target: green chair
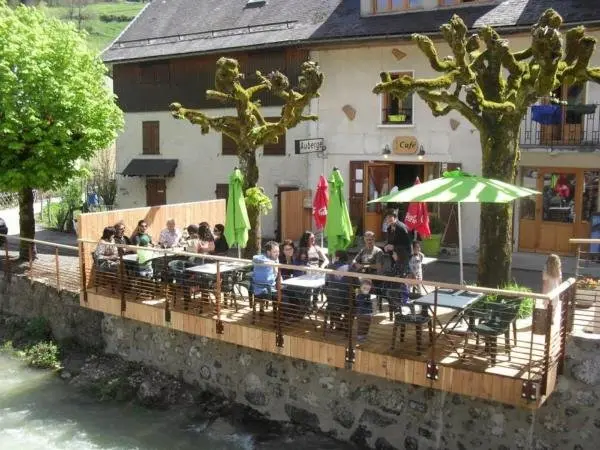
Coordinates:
[500,316]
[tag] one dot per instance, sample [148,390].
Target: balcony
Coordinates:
[561,126]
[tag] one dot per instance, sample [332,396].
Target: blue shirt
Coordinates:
[264,278]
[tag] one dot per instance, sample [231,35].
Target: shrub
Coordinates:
[525,308]
[436,225]
[38,329]
[43,355]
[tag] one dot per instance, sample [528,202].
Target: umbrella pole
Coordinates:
[460,252]
[322,233]
[239,252]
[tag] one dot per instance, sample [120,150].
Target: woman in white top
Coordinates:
[106,253]
[316,256]
[552,278]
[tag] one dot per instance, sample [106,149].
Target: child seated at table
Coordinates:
[364,310]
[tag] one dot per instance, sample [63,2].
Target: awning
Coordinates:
[151,168]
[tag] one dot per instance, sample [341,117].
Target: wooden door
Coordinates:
[280,190]
[156,192]
[379,180]
[295,213]
[356,198]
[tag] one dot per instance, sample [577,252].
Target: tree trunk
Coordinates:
[26,222]
[499,161]
[248,167]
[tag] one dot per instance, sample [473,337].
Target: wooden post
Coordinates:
[434,322]
[82,271]
[219,324]
[350,348]
[547,345]
[277,313]
[121,283]
[165,280]
[57,269]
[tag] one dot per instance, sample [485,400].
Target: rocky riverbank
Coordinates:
[109,378]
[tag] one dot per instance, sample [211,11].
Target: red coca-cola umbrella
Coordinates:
[417,217]
[320,203]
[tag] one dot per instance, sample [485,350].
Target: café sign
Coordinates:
[405,145]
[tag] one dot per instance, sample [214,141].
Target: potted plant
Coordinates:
[587,290]
[431,245]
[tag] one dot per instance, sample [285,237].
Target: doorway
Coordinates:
[279,229]
[156,191]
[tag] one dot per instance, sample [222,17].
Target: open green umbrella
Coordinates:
[338,228]
[236,222]
[460,187]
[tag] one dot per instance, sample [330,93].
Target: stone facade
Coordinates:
[368,411]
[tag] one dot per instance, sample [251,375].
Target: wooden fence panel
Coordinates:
[92,224]
[295,218]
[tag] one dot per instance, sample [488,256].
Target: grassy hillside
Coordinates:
[103,21]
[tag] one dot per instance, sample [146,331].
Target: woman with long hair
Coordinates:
[140,236]
[316,256]
[106,253]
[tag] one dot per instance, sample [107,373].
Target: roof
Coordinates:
[151,168]
[182,27]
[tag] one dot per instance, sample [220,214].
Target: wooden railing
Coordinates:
[417,340]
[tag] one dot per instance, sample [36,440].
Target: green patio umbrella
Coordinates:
[236,222]
[338,228]
[460,187]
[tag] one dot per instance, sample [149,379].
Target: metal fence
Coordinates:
[586,320]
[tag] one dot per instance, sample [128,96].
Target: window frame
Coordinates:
[382,101]
[228,146]
[391,9]
[147,147]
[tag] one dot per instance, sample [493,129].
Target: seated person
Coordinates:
[287,256]
[221,245]
[337,290]
[370,258]
[170,236]
[316,256]
[264,275]
[364,310]
[140,236]
[190,244]
[106,254]
[206,242]
[121,239]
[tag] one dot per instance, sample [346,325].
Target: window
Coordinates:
[456,2]
[222,191]
[395,5]
[394,111]
[277,149]
[228,146]
[150,138]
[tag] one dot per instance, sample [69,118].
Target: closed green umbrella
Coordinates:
[236,222]
[338,228]
[460,187]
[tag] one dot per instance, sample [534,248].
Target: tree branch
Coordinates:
[426,45]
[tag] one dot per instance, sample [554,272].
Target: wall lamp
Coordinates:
[387,151]
[421,153]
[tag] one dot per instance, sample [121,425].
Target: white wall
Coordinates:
[201,165]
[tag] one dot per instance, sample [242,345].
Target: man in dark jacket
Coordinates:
[398,236]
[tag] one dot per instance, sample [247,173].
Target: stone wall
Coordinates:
[368,411]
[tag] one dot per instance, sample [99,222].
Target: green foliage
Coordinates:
[527,303]
[256,198]
[43,355]
[59,216]
[436,225]
[38,329]
[55,107]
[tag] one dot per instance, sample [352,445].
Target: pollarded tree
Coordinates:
[493,87]
[55,107]
[248,128]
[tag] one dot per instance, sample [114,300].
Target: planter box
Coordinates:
[585,298]
[431,246]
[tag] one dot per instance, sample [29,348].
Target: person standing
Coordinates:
[398,236]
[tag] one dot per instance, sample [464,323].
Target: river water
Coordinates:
[38,411]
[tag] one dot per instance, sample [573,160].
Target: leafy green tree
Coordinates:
[493,87]
[55,107]
[249,129]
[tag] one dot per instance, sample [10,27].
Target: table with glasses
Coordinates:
[460,301]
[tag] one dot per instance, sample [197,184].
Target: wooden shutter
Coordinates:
[356,200]
[222,191]
[151,137]
[228,146]
[277,149]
